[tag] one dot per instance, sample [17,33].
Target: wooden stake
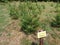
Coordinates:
[41,41]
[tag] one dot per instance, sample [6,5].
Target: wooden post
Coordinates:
[41,41]
[41,34]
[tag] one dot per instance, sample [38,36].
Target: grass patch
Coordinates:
[25,41]
[4,16]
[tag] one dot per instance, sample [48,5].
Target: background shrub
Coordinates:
[4,0]
[58,19]
[29,0]
[13,12]
[56,22]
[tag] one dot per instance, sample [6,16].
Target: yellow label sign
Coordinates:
[41,34]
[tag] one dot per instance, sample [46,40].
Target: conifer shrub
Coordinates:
[29,20]
[56,22]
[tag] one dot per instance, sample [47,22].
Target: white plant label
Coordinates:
[41,34]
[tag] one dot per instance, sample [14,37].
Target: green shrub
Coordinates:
[58,19]
[56,22]
[29,20]
[13,12]
[29,24]
[57,7]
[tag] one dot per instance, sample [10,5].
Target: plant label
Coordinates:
[41,34]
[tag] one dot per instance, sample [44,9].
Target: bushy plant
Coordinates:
[56,22]
[57,7]
[13,11]
[29,24]
[29,20]
[58,19]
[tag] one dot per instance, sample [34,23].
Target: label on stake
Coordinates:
[41,34]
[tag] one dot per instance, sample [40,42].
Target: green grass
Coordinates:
[4,16]
[25,41]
